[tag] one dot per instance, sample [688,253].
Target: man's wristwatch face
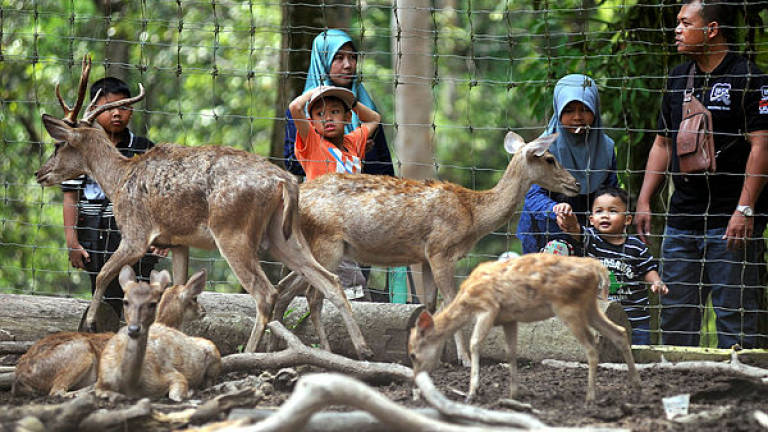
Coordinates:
[745,210]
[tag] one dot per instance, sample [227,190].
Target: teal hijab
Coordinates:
[324,48]
[587,157]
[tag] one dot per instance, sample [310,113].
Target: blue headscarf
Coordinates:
[592,151]
[324,48]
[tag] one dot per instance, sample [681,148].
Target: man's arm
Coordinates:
[740,226]
[659,159]
[77,255]
[297,111]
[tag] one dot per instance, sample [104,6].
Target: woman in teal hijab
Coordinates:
[334,63]
[583,148]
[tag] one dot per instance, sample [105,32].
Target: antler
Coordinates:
[88,118]
[70,114]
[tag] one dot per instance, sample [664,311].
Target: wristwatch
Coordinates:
[745,210]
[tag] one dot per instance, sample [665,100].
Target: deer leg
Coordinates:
[128,253]
[288,288]
[73,374]
[618,336]
[315,301]
[180,264]
[178,386]
[577,323]
[483,325]
[234,247]
[295,253]
[442,274]
[510,335]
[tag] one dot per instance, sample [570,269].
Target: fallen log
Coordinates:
[733,366]
[229,322]
[299,354]
[102,420]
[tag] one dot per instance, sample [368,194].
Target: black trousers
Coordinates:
[100,237]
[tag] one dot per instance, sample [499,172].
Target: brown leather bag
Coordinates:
[695,142]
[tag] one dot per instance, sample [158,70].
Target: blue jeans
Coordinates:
[641,332]
[695,264]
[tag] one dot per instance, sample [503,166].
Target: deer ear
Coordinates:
[162,278]
[58,128]
[127,276]
[195,284]
[513,142]
[425,322]
[540,145]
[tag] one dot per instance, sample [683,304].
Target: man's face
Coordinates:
[114,121]
[329,116]
[692,31]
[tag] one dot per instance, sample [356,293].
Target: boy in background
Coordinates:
[321,145]
[625,256]
[89,222]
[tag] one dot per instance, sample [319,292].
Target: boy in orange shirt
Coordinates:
[321,146]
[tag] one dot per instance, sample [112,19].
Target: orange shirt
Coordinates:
[318,156]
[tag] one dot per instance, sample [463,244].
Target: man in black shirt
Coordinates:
[89,223]
[713,240]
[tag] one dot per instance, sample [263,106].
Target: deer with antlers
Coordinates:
[179,197]
[393,222]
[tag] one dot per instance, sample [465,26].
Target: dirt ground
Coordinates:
[558,395]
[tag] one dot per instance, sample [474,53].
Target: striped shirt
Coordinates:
[92,201]
[629,263]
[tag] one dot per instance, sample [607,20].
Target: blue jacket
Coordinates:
[537,224]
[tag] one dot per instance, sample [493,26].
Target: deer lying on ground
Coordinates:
[531,288]
[204,197]
[150,359]
[387,221]
[66,361]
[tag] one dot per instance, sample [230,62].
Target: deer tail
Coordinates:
[290,208]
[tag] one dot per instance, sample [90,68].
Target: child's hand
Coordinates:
[562,208]
[659,287]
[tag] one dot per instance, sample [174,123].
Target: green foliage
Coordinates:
[211,70]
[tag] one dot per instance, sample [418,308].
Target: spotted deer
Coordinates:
[66,361]
[180,197]
[530,288]
[388,221]
[150,359]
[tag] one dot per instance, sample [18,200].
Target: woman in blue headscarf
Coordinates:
[584,150]
[334,63]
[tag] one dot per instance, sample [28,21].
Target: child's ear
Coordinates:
[628,220]
[348,116]
[591,220]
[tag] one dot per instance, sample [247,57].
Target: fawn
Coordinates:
[390,221]
[180,197]
[530,288]
[66,361]
[146,358]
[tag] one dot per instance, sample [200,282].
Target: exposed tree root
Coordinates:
[297,353]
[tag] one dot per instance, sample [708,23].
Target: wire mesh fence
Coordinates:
[223,73]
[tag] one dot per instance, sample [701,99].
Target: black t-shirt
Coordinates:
[736,93]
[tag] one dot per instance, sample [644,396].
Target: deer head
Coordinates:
[141,299]
[542,167]
[72,136]
[179,303]
[424,344]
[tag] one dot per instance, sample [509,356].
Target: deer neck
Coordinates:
[451,318]
[105,164]
[497,205]
[133,359]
